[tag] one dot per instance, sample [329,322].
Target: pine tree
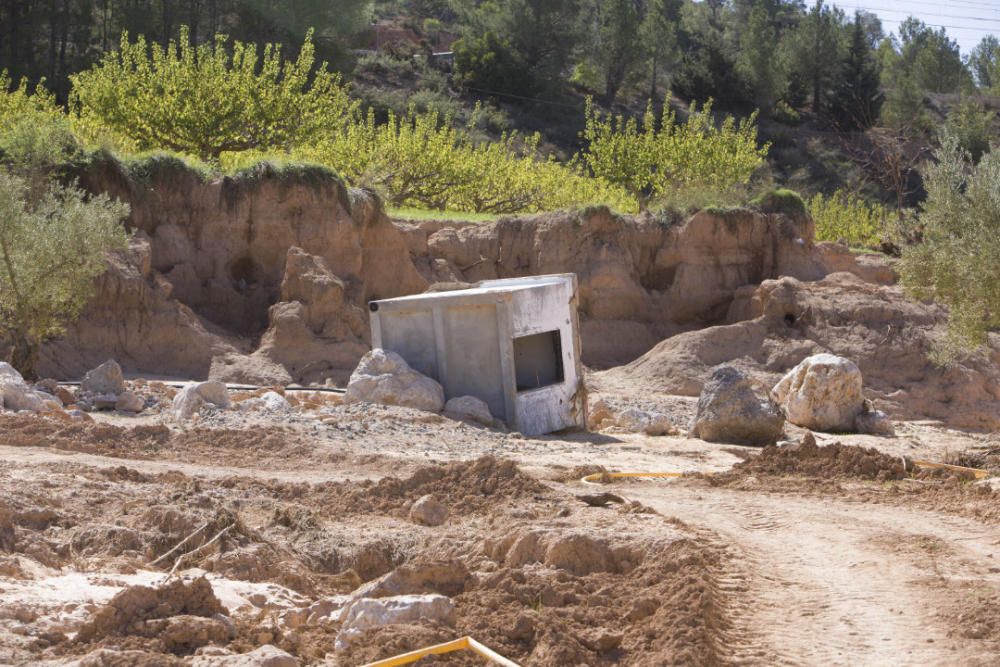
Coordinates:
[857,97]
[758,62]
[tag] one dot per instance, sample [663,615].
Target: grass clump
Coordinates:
[781,200]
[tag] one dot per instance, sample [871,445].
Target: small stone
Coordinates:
[129,401]
[104,401]
[428,511]
[874,422]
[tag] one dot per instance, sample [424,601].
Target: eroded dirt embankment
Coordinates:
[265,280]
[280,265]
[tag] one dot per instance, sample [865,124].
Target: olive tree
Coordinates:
[957,262]
[52,247]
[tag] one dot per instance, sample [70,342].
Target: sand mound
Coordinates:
[136,610]
[829,461]
[666,610]
[781,322]
[465,486]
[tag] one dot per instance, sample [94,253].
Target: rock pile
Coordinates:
[603,417]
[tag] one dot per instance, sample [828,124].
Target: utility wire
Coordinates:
[900,11]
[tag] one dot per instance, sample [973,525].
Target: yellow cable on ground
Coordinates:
[461,644]
[597,476]
[976,472]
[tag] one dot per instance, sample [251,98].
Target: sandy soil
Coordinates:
[838,556]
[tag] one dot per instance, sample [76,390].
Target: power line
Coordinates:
[897,11]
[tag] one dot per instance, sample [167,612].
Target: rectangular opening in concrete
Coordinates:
[538,360]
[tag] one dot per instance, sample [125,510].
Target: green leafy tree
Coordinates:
[958,261]
[844,216]
[35,134]
[51,250]
[932,59]
[984,61]
[661,156]
[972,124]
[202,100]
[856,99]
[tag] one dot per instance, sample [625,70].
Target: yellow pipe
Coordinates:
[976,472]
[463,643]
[597,476]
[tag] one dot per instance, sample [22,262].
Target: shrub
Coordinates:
[203,101]
[785,114]
[491,63]
[658,158]
[847,217]
[35,134]
[51,250]
[958,261]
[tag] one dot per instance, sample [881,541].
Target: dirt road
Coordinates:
[832,582]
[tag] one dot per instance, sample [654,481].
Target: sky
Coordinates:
[967,21]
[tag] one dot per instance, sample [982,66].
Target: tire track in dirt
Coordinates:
[822,583]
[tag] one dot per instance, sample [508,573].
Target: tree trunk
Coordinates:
[23,356]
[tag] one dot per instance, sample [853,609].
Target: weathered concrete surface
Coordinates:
[513,344]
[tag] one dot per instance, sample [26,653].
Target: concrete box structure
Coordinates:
[514,343]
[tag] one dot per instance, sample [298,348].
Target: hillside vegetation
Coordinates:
[491,108]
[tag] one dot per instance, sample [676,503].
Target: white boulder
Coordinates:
[468,408]
[385,377]
[822,393]
[189,400]
[267,655]
[368,613]
[635,420]
[275,402]
[16,394]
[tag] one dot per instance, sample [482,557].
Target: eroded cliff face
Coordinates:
[265,279]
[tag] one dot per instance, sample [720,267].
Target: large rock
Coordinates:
[822,393]
[16,394]
[189,400]
[368,613]
[385,377]
[262,656]
[105,379]
[731,410]
[468,408]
